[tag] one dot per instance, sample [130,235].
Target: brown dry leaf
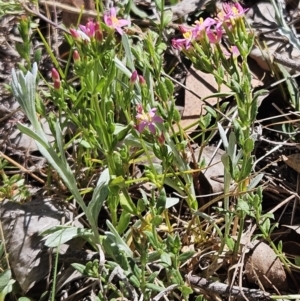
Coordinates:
[294,227]
[263,266]
[215,171]
[292,161]
[28,257]
[203,84]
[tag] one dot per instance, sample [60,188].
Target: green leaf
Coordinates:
[157,220]
[230,243]
[169,86]
[114,235]
[210,111]
[99,195]
[254,182]
[243,206]
[65,234]
[127,204]
[6,284]
[124,221]
[137,11]
[266,226]
[249,145]
[128,53]
[218,95]
[163,92]
[161,202]
[297,261]
[25,299]
[159,5]
[154,287]
[186,290]
[185,256]
[167,17]
[166,258]
[78,267]
[152,276]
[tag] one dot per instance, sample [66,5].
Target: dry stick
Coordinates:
[225,290]
[287,62]
[22,168]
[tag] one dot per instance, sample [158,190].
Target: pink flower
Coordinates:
[79,35]
[76,56]
[112,21]
[188,36]
[147,119]
[142,80]
[201,25]
[92,30]
[54,74]
[234,51]
[234,10]
[56,78]
[134,77]
[231,12]
[214,36]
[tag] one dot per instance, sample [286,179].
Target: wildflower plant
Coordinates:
[202,45]
[121,109]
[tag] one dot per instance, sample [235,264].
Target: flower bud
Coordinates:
[74,33]
[76,56]
[142,80]
[56,84]
[54,74]
[133,77]
[56,79]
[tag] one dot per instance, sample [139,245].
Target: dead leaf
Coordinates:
[294,227]
[215,169]
[292,161]
[203,84]
[28,257]
[263,266]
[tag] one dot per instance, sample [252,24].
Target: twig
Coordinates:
[163,292]
[23,169]
[225,290]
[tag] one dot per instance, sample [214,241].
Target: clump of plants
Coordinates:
[123,110]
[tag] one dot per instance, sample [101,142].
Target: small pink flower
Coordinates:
[56,78]
[188,36]
[214,36]
[231,12]
[234,51]
[76,56]
[112,21]
[234,10]
[134,77]
[54,74]
[201,25]
[56,84]
[91,29]
[79,35]
[142,80]
[161,139]
[147,119]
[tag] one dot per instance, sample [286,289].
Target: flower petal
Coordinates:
[152,128]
